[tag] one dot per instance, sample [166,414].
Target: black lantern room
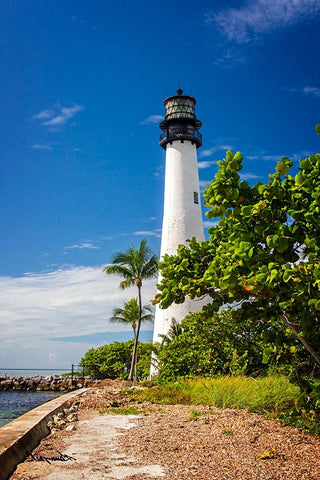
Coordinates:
[180,122]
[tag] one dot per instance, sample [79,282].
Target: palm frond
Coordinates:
[129,282]
[130,313]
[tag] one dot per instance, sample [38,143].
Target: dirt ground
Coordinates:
[171,442]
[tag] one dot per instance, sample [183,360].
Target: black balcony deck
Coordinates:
[181,133]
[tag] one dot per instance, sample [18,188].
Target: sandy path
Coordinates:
[94,446]
[167,442]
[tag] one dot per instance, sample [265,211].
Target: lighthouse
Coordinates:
[182,217]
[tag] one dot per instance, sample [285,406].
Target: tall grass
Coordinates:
[270,394]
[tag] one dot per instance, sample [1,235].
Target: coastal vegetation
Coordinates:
[255,345]
[114,360]
[134,266]
[263,256]
[271,394]
[260,271]
[274,396]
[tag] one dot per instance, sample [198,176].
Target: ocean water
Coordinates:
[28,372]
[14,404]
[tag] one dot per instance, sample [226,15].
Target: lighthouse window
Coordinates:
[195,197]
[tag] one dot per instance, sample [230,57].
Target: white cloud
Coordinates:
[206,164]
[38,146]
[153,233]
[152,119]
[314,91]
[83,245]
[212,223]
[248,176]
[109,237]
[301,155]
[209,152]
[74,301]
[217,148]
[262,156]
[58,116]
[277,157]
[259,17]
[43,115]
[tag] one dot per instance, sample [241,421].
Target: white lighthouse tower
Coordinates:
[182,218]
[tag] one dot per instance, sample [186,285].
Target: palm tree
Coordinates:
[130,314]
[134,266]
[174,331]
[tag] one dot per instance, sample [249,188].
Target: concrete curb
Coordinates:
[20,436]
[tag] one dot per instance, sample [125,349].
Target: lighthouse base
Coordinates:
[164,320]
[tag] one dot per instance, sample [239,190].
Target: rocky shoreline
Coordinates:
[51,383]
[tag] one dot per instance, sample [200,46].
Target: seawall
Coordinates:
[20,436]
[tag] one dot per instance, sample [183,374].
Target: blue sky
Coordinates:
[82,173]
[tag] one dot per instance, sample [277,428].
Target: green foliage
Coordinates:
[171,394]
[227,343]
[114,360]
[269,394]
[306,412]
[264,254]
[305,419]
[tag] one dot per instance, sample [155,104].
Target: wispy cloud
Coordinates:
[83,245]
[295,156]
[248,176]
[149,233]
[152,119]
[300,155]
[262,156]
[260,17]
[212,223]
[313,91]
[74,301]
[211,151]
[206,164]
[58,116]
[44,115]
[38,146]
[217,148]
[149,219]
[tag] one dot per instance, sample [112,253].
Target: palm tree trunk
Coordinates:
[130,378]
[135,348]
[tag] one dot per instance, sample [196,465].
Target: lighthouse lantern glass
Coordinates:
[179,107]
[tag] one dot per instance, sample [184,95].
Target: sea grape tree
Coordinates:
[263,256]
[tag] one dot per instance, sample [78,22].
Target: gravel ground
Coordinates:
[173,443]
